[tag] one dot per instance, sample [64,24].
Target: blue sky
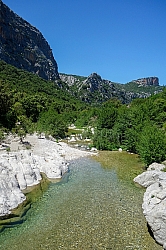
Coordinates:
[121,40]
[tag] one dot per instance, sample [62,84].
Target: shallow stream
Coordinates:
[91,208]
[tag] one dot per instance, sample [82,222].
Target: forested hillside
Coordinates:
[29,103]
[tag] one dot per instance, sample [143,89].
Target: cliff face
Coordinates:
[24,47]
[148,81]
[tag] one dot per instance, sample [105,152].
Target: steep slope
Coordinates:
[93,89]
[24,47]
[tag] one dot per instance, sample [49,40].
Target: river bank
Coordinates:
[22,165]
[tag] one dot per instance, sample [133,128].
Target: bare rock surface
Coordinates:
[154,201]
[147,81]
[21,168]
[23,46]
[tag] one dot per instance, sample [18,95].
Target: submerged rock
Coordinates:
[154,201]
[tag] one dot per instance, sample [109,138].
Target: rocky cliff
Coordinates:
[94,89]
[100,90]
[148,81]
[23,46]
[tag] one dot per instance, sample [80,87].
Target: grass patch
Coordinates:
[127,166]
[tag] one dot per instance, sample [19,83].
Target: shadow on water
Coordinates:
[150,231]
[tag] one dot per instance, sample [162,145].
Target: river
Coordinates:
[91,208]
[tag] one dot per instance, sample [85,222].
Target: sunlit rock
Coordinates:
[154,201]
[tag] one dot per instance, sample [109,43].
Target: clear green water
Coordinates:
[89,209]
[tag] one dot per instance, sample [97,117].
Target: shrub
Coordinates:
[152,145]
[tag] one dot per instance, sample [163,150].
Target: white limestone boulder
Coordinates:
[150,177]
[154,209]
[156,166]
[10,193]
[154,201]
[21,169]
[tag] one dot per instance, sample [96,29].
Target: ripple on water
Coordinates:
[90,209]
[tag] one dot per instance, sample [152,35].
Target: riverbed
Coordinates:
[90,208]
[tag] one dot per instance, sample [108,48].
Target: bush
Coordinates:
[152,145]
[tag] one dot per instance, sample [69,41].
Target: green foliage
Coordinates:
[25,99]
[1,135]
[29,103]
[87,117]
[7,116]
[106,139]
[52,123]
[152,145]
[139,128]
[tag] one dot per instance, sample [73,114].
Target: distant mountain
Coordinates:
[93,89]
[24,47]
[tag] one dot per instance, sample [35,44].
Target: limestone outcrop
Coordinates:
[154,201]
[19,170]
[24,47]
[96,89]
[147,81]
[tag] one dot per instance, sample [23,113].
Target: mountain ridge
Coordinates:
[93,89]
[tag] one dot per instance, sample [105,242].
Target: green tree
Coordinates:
[52,123]
[152,144]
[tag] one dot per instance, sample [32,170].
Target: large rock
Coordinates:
[154,201]
[154,209]
[24,47]
[18,170]
[150,177]
[10,193]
